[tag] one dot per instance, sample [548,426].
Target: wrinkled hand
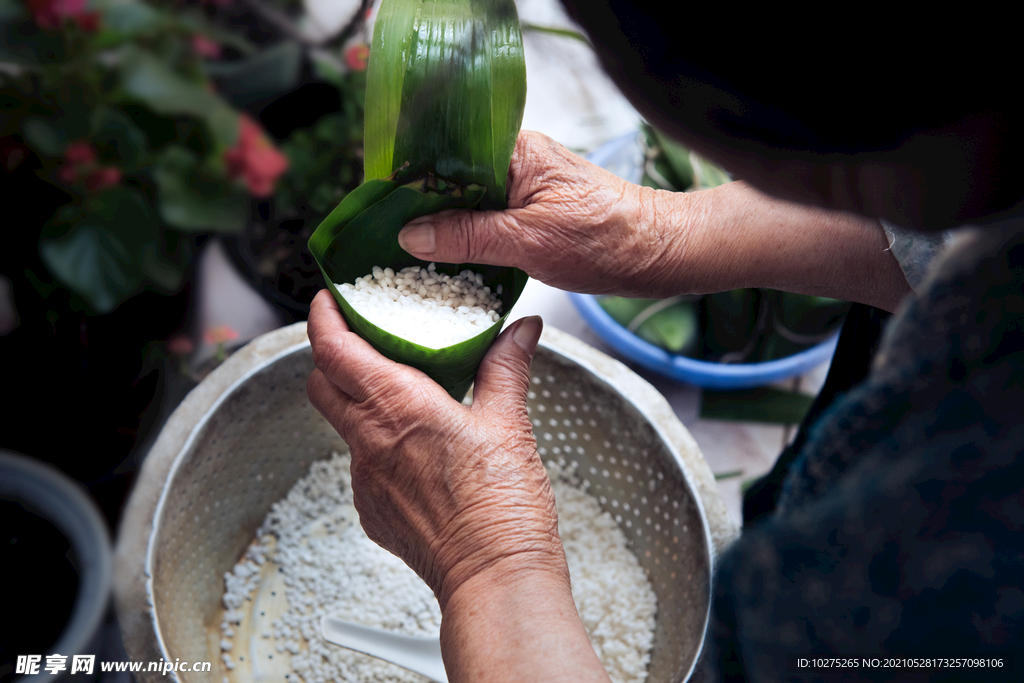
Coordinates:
[453,490]
[570,224]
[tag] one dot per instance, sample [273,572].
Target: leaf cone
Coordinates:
[446,88]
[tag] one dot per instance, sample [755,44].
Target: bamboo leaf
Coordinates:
[447,85]
[446,88]
[760,404]
[673,328]
[362,232]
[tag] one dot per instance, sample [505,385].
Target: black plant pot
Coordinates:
[272,255]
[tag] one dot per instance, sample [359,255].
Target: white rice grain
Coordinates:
[424,306]
[346,575]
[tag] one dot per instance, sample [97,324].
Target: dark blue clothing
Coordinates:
[898,525]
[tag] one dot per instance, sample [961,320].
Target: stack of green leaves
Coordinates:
[446,88]
[738,326]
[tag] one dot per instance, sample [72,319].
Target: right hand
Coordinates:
[570,224]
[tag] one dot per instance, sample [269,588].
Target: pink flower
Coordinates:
[204,47]
[53,13]
[180,345]
[102,178]
[80,164]
[219,335]
[255,159]
[357,56]
[80,153]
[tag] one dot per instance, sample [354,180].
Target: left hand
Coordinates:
[455,491]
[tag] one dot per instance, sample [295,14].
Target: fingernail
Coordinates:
[418,238]
[527,333]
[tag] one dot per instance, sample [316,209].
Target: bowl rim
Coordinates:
[707,374]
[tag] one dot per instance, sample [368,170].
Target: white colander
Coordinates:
[243,437]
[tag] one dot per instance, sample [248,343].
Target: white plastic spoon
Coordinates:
[422,655]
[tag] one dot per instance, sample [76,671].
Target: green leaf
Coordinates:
[706,174]
[729,321]
[43,137]
[677,157]
[93,262]
[670,324]
[446,82]
[147,78]
[128,18]
[193,201]
[760,404]
[115,131]
[263,75]
[555,31]
[110,249]
[10,11]
[673,328]
[624,310]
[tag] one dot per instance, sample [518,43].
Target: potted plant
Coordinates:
[130,133]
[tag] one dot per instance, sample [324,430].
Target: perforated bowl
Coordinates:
[257,436]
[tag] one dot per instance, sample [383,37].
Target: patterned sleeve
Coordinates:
[915,251]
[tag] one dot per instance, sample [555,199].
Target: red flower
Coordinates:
[80,153]
[180,345]
[219,335]
[357,56]
[204,47]
[253,158]
[102,178]
[53,13]
[80,163]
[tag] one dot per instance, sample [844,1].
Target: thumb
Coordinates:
[463,236]
[504,375]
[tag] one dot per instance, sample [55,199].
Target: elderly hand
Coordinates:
[577,227]
[570,224]
[451,489]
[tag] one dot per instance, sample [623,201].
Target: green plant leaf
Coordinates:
[11,11]
[127,19]
[759,404]
[93,262]
[114,132]
[263,75]
[110,249]
[147,78]
[43,137]
[193,201]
